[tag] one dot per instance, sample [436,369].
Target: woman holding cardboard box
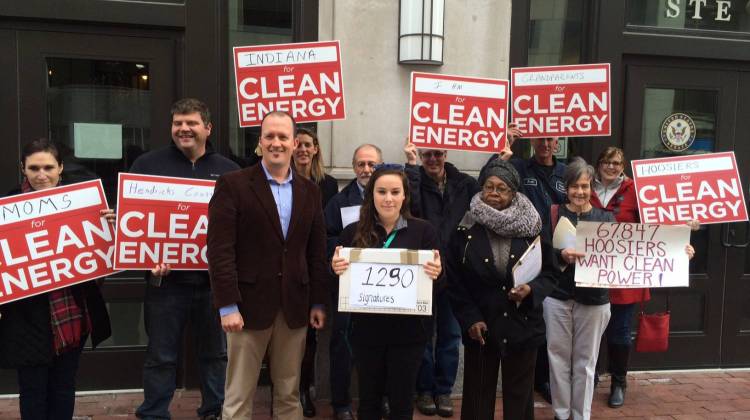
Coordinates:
[387,347]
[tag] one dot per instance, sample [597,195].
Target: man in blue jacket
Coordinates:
[343,209]
[173,298]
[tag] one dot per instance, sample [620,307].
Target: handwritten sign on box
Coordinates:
[631,255]
[562,101]
[385,281]
[303,79]
[162,220]
[458,112]
[53,238]
[679,189]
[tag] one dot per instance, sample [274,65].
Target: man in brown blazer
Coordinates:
[267,263]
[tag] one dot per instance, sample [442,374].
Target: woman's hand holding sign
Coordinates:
[569,255]
[434,268]
[338,264]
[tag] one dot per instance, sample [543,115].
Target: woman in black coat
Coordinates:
[388,348]
[46,359]
[501,322]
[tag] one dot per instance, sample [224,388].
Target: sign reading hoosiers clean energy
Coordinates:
[303,79]
[162,220]
[53,238]
[458,112]
[562,101]
[679,189]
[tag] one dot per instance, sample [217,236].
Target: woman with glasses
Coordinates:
[501,322]
[42,336]
[308,162]
[388,348]
[615,192]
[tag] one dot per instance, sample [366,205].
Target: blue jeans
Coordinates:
[620,324]
[437,374]
[167,309]
[48,392]
[340,353]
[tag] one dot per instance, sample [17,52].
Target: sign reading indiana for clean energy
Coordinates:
[458,112]
[302,79]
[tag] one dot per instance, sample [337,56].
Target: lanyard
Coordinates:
[390,239]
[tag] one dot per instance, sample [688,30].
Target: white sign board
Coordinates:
[631,255]
[386,281]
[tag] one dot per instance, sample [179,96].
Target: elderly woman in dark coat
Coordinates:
[500,322]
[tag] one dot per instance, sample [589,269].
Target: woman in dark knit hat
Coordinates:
[501,322]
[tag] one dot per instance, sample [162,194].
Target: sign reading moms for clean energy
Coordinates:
[53,238]
[162,220]
[679,189]
[303,79]
[458,112]
[562,101]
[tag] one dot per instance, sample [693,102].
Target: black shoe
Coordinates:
[308,407]
[386,409]
[426,404]
[616,396]
[344,415]
[444,405]
[211,417]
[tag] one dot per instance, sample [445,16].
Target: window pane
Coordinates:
[100,115]
[253,22]
[555,29]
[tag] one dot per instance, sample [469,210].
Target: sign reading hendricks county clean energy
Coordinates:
[162,220]
[53,238]
[302,79]
[631,255]
[679,189]
[562,101]
[458,112]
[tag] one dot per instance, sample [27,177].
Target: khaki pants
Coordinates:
[574,332]
[245,351]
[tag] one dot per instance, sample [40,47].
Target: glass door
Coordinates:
[654,92]
[105,99]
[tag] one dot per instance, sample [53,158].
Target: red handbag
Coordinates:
[653,331]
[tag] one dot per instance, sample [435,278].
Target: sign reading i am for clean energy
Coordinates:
[302,79]
[679,189]
[562,101]
[458,112]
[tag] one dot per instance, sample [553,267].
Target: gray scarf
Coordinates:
[519,220]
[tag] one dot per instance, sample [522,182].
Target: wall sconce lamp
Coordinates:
[420,31]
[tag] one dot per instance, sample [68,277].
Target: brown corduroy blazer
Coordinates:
[250,262]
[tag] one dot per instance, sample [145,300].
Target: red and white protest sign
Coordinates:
[52,239]
[303,79]
[679,189]
[458,112]
[559,101]
[162,219]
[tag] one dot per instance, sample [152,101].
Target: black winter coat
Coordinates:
[378,329]
[478,292]
[26,330]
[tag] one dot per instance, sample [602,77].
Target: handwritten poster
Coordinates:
[631,255]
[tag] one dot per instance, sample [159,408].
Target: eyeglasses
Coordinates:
[489,189]
[437,154]
[613,163]
[389,166]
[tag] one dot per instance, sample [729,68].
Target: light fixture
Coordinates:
[420,31]
[144,77]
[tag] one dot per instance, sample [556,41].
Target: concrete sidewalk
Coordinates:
[721,394]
